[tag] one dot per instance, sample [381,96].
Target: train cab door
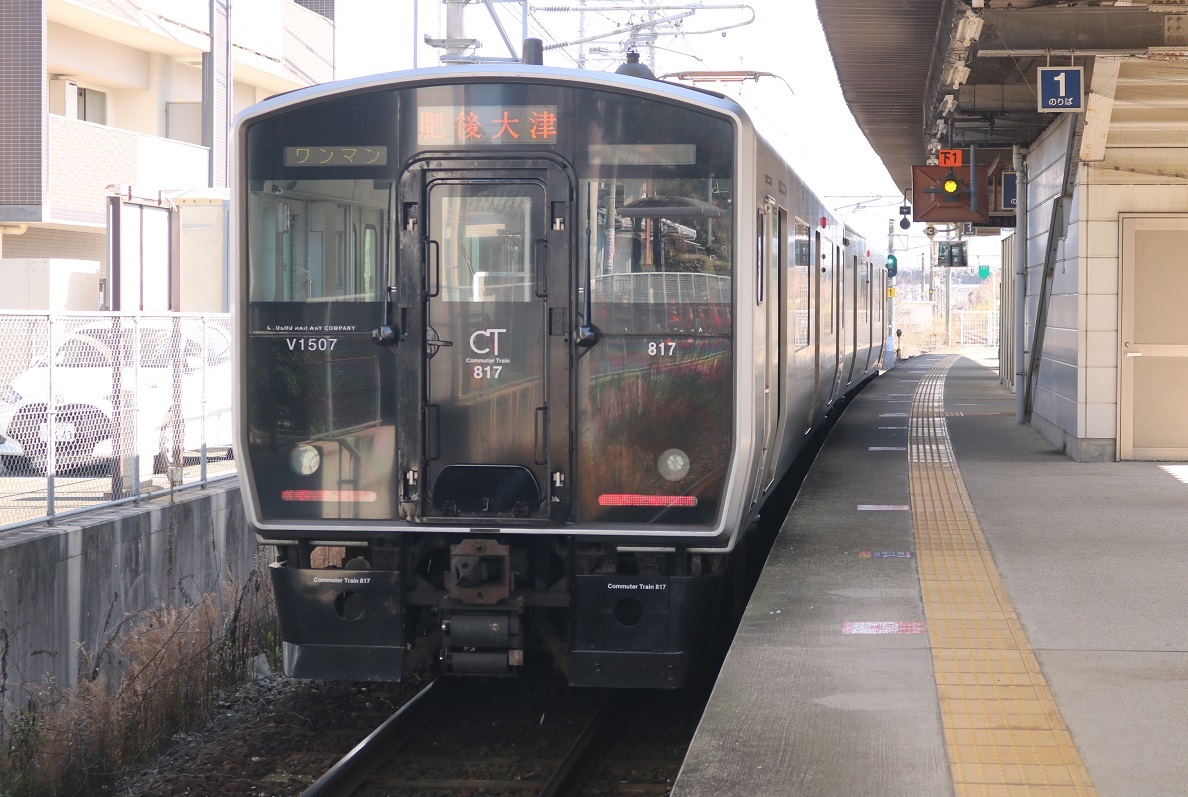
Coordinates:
[494,415]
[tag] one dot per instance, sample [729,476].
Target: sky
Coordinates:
[802,112]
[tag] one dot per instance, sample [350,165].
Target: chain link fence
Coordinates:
[98,409]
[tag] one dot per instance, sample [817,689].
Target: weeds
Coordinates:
[158,674]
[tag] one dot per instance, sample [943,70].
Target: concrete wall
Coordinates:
[65,588]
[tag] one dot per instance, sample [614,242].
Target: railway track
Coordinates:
[514,738]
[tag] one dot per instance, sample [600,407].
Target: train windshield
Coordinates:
[319,396]
[654,398]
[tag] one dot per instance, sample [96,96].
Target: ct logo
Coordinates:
[488,338]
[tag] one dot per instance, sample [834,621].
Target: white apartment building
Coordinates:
[113,141]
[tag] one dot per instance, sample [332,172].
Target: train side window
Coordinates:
[760,255]
[799,285]
[659,254]
[879,295]
[863,291]
[825,297]
[370,257]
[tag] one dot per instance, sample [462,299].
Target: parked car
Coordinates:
[160,402]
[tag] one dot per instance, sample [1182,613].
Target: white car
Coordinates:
[160,402]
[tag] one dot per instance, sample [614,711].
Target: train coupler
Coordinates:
[481,642]
[480,572]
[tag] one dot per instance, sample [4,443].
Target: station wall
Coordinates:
[1076,399]
[1059,389]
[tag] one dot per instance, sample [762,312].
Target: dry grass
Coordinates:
[159,673]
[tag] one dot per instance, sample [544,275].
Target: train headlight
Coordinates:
[304,460]
[673,464]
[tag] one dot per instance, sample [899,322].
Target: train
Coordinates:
[521,353]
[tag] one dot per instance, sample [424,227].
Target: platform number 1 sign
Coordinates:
[1061,89]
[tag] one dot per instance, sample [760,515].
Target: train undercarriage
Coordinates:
[604,614]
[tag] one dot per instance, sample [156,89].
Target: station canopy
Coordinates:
[924,75]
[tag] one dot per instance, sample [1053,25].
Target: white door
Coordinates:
[1153,360]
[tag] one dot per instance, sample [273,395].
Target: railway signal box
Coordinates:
[944,194]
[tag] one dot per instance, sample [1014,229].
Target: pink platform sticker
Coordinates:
[883,627]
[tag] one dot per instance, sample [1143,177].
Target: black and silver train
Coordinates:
[522,352]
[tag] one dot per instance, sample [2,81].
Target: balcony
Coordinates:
[277,45]
[84,158]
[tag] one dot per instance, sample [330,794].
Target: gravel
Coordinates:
[272,737]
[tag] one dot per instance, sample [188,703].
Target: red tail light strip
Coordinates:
[631,499]
[358,496]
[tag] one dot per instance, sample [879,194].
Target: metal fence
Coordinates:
[141,404]
[976,327]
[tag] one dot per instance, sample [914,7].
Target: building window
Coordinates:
[92,105]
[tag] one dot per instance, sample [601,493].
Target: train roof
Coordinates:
[490,73]
[484,73]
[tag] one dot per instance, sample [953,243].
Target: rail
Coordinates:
[352,770]
[488,747]
[103,409]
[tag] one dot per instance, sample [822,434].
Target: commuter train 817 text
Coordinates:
[522,353]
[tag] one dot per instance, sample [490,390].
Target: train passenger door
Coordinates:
[821,282]
[838,325]
[771,288]
[495,408]
[857,310]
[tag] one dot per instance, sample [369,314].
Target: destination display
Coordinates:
[461,125]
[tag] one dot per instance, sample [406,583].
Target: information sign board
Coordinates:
[951,254]
[1061,88]
[1009,195]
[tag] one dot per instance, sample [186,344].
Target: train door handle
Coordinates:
[433,342]
[436,271]
[1134,354]
[432,432]
[542,265]
[540,435]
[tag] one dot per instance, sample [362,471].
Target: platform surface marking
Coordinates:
[1004,733]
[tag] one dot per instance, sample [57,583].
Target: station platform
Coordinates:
[953,607]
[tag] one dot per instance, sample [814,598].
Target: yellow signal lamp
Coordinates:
[950,186]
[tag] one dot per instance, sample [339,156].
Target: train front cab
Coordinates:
[489,363]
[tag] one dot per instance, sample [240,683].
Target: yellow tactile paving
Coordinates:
[1004,734]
